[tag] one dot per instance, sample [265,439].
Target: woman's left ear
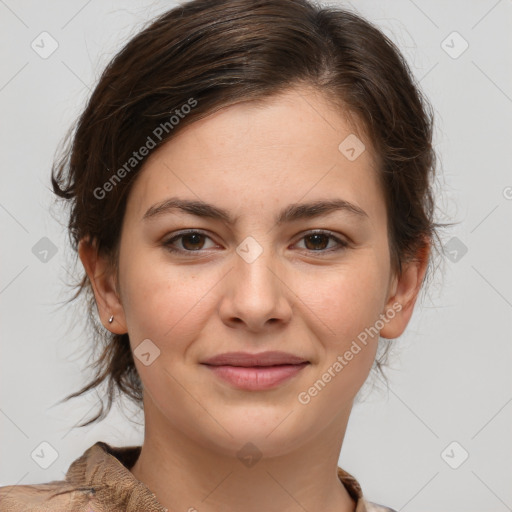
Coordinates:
[403,292]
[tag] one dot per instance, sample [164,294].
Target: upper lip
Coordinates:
[270,358]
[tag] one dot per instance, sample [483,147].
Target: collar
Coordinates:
[105,471]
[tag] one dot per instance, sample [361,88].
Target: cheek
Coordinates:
[343,312]
[163,302]
[346,300]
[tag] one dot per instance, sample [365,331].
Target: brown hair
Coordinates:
[209,54]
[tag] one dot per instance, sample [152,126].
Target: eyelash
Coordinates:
[341,243]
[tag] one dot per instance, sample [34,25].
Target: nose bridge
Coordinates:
[256,293]
[255,264]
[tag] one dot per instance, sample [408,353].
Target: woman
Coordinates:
[250,194]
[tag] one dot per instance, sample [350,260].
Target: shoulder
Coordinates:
[97,480]
[355,491]
[55,496]
[374,507]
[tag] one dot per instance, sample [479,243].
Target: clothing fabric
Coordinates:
[100,481]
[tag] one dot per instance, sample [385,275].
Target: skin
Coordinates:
[252,160]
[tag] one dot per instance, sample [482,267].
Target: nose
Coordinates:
[256,296]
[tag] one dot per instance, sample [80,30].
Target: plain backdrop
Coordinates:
[440,438]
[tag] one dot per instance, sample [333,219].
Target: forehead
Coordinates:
[261,154]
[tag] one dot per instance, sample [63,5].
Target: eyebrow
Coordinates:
[292,212]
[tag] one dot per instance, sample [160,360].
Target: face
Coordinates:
[272,274]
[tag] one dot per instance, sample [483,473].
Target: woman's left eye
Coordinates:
[193,241]
[320,240]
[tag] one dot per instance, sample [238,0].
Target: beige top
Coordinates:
[100,481]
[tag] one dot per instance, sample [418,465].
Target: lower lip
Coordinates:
[256,378]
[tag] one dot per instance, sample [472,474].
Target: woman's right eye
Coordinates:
[191,241]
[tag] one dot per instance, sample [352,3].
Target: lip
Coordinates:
[256,372]
[256,378]
[247,359]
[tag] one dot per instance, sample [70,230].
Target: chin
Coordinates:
[258,433]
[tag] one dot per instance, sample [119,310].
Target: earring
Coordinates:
[111,319]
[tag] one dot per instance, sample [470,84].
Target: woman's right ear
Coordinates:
[103,284]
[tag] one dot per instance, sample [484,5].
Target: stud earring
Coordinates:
[111,319]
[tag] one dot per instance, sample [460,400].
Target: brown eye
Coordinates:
[192,241]
[319,242]
[316,241]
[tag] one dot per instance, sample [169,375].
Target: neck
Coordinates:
[185,474]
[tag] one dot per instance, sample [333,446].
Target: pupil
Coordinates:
[316,239]
[195,236]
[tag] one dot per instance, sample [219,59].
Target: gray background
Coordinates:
[450,378]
